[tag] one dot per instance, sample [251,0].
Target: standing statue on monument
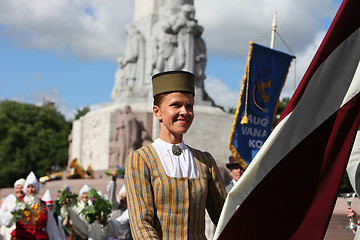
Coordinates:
[131,65]
[132,131]
[200,58]
[127,137]
[114,150]
[177,42]
[119,86]
[185,27]
[164,49]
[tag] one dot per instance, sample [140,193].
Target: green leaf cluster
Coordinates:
[32,138]
[119,172]
[19,213]
[66,198]
[96,208]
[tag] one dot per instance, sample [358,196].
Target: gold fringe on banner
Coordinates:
[245,80]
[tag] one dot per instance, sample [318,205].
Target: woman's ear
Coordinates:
[156,111]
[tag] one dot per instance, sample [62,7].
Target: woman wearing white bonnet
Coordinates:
[45,227]
[83,191]
[9,204]
[79,222]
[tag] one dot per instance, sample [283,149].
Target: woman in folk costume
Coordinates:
[79,224]
[9,204]
[118,226]
[51,204]
[39,224]
[170,184]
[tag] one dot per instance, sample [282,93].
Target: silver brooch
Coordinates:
[176,150]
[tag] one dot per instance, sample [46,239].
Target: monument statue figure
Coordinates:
[131,65]
[127,137]
[165,43]
[119,86]
[200,58]
[178,42]
[185,26]
[132,130]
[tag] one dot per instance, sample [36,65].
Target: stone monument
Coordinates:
[165,35]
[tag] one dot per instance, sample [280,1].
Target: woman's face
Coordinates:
[83,197]
[30,190]
[175,114]
[19,193]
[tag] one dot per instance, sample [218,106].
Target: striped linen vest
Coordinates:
[162,207]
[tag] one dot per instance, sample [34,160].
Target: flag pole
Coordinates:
[274,25]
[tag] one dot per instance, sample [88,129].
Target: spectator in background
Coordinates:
[79,223]
[118,225]
[50,203]
[236,171]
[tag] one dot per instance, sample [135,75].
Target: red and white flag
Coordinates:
[290,188]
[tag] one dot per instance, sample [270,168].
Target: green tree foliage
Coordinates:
[232,110]
[281,107]
[31,139]
[81,112]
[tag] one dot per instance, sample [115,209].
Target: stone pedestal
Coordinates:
[210,131]
[92,133]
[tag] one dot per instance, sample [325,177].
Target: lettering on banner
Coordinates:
[255,143]
[252,131]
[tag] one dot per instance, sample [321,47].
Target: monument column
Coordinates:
[144,8]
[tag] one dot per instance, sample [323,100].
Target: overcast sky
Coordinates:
[66,50]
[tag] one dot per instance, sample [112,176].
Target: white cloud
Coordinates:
[221,94]
[302,62]
[230,25]
[89,30]
[95,29]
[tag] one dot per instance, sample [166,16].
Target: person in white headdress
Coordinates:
[82,194]
[7,225]
[50,204]
[118,225]
[45,226]
[79,223]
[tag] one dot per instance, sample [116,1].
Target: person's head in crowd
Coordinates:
[122,197]
[236,171]
[83,191]
[173,94]
[18,188]
[48,200]
[31,185]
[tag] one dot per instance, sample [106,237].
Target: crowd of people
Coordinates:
[26,216]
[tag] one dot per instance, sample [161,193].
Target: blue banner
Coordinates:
[265,74]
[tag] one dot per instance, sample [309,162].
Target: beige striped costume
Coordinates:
[162,207]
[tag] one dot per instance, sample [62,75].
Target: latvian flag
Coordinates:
[290,188]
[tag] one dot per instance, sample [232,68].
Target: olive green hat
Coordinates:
[173,81]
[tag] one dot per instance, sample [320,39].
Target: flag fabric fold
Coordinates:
[265,74]
[290,188]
